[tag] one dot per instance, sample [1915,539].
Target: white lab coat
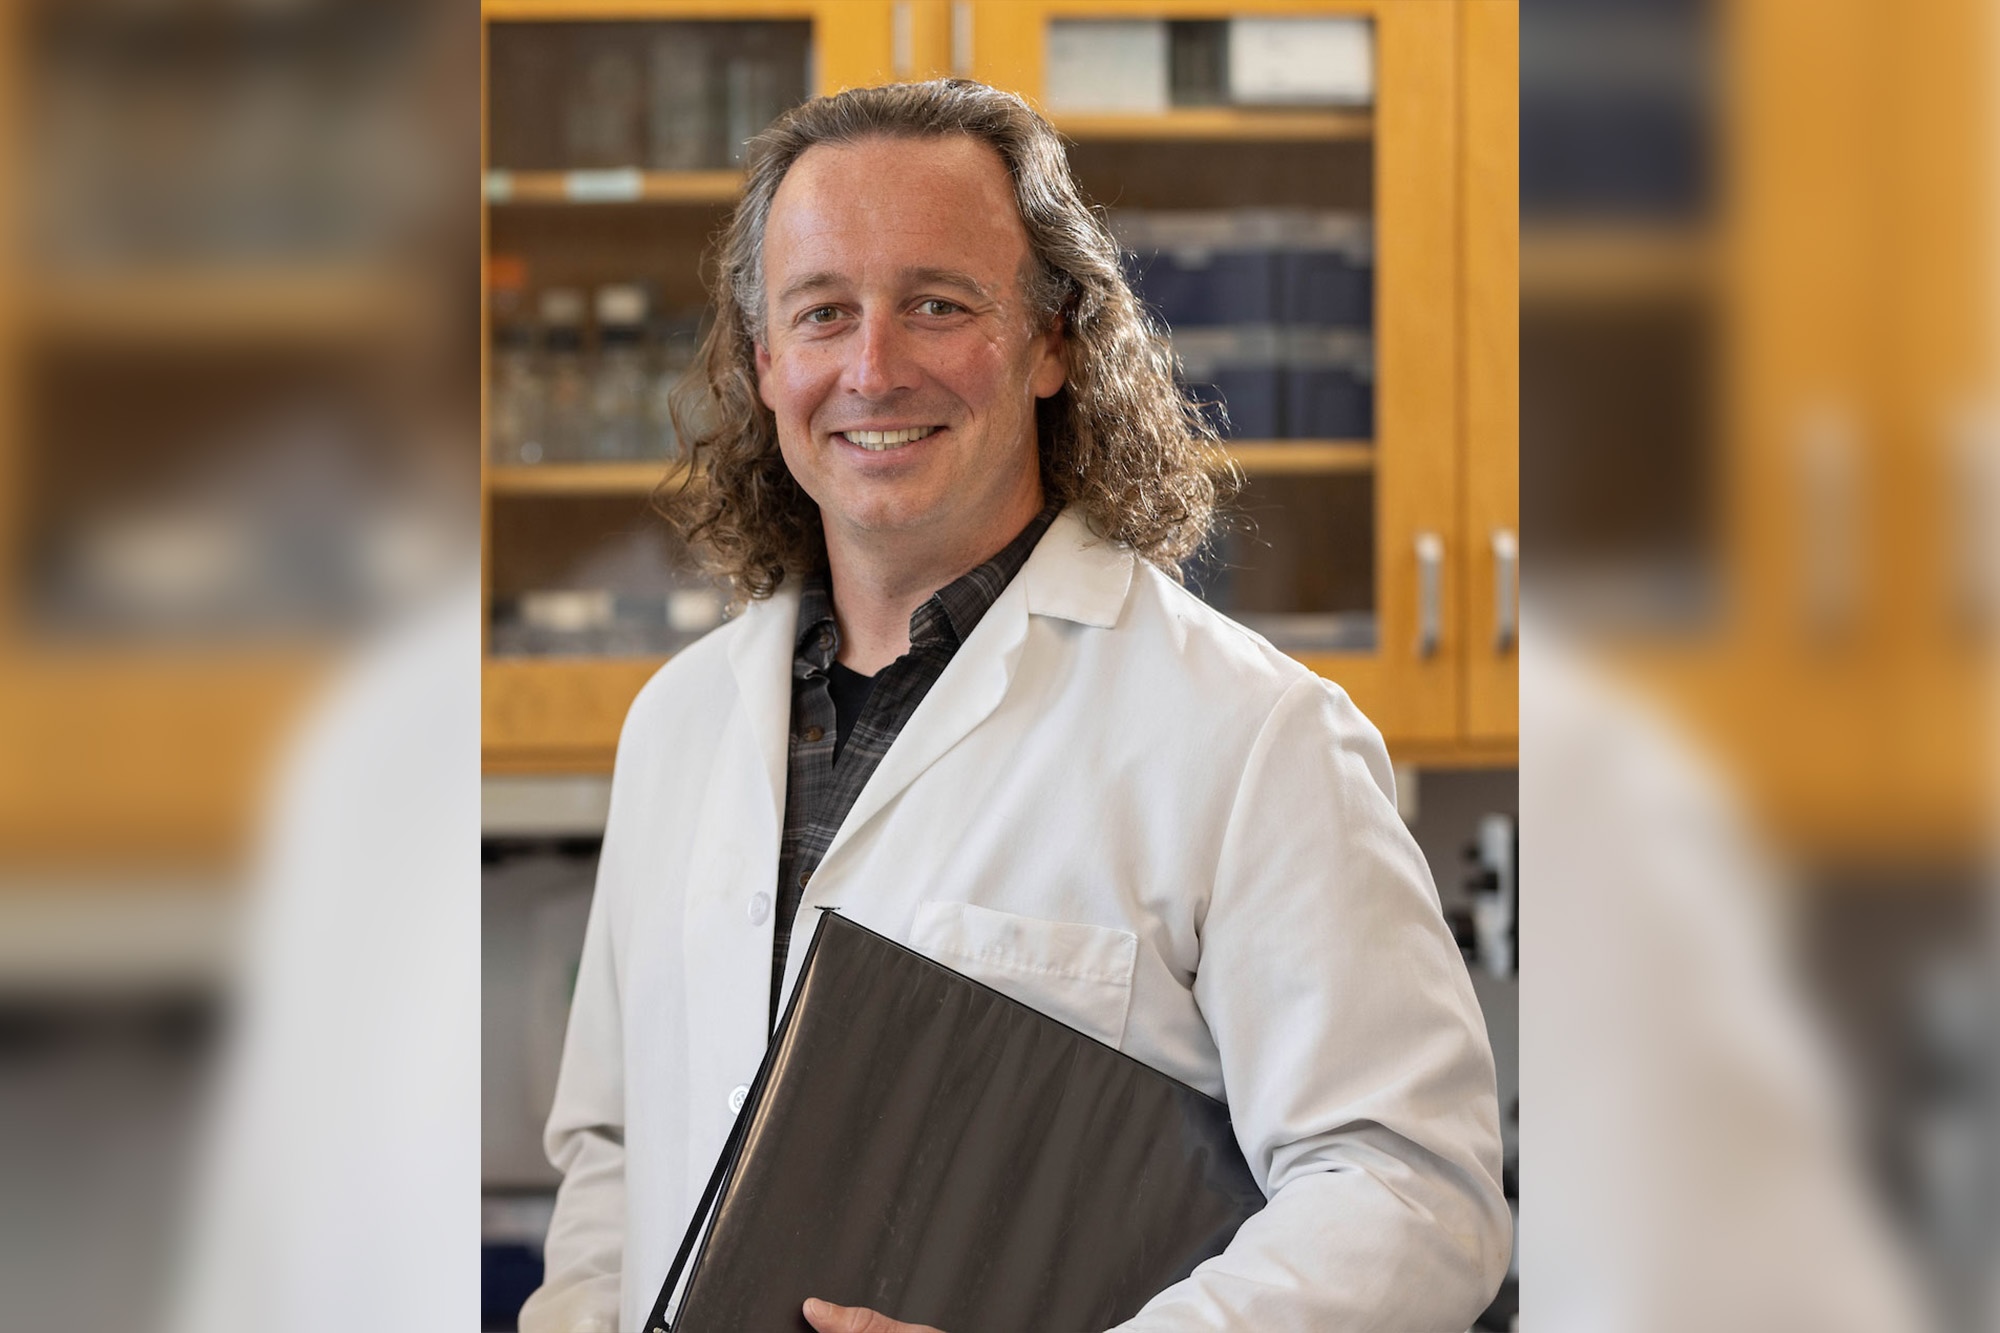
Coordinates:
[1121,808]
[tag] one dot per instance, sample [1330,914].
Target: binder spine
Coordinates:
[732,1149]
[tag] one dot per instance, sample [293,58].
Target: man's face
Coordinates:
[899,356]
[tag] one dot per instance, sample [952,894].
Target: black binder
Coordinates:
[920,1143]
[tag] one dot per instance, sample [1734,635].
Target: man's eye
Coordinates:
[938,306]
[822,314]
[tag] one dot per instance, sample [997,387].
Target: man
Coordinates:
[969,703]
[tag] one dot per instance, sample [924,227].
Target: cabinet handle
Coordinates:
[1430,593]
[1506,589]
[1976,447]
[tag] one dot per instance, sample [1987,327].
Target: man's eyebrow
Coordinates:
[944,277]
[948,277]
[810,282]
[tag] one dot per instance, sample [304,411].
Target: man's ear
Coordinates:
[1051,372]
[763,360]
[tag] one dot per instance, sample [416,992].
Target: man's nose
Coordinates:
[881,361]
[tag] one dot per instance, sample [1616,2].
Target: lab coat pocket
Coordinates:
[1077,974]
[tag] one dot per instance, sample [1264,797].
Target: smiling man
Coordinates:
[944,462]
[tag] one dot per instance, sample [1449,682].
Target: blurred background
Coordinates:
[1758,464]
[238,461]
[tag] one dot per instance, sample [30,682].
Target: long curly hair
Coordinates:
[1121,440]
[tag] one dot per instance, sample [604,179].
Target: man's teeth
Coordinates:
[887,439]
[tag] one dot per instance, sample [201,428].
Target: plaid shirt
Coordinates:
[819,791]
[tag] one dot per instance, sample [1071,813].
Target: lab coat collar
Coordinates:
[1077,575]
[1073,575]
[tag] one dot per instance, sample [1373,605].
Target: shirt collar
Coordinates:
[943,620]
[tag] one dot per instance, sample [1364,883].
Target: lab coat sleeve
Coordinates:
[585,1139]
[1354,1057]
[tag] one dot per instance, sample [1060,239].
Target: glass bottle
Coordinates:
[618,384]
[675,343]
[566,422]
[515,402]
[515,419]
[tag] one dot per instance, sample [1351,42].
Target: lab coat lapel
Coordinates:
[971,687]
[1072,575]
[733,869]
[761,659]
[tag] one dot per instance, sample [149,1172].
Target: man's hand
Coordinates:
[830,1318]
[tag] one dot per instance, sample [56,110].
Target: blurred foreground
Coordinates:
[238,665]
[1760,464]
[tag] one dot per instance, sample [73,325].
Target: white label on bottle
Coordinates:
[499,186]
[601,187]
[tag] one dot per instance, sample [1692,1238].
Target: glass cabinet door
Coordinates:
[614,147]
[1285,186]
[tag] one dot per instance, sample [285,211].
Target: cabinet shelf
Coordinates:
[220,304]
[582,478]
[1620,264]
[628,186]
[1302,457]
[1256,457]
[1220,122]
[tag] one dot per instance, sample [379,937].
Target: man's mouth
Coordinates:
[878,440]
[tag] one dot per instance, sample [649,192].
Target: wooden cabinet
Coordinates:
[180,332]
[1793,377]
[1489,439]
[1377,556]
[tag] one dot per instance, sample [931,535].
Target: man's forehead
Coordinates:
[907,207]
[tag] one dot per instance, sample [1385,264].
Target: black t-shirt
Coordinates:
[850,690]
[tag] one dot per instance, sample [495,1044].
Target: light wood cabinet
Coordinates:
[144,349]
[1795,375]
[1393,536]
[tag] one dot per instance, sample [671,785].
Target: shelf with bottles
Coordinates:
[564,391]
[612,105]
[586,575]
[593,575]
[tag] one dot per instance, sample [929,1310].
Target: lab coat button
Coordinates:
[737,1096]
[760,908]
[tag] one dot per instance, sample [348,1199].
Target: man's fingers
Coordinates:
[830,1318]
